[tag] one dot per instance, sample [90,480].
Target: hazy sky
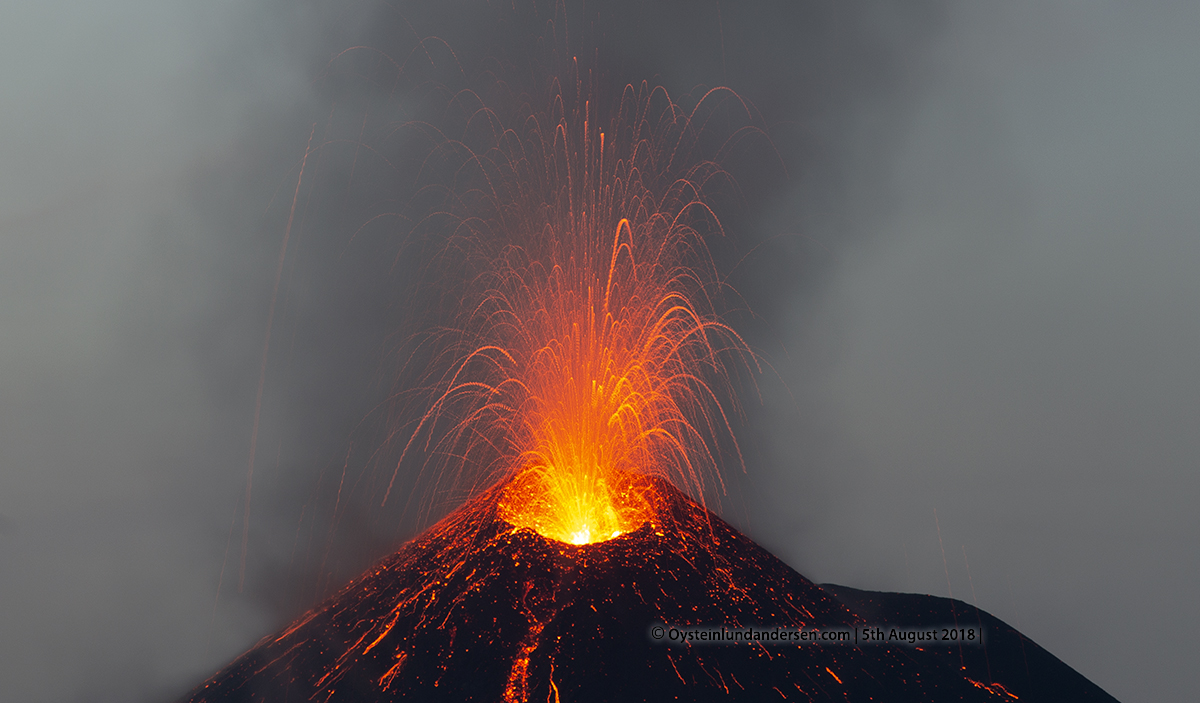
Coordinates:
[985,307]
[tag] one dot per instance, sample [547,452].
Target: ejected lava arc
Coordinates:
[586,347]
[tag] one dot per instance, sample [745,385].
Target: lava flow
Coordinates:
[476,609]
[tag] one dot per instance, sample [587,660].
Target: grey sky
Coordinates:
[996,320]
[1016,346]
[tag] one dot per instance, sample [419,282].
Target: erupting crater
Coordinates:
[577,507]
[477,609]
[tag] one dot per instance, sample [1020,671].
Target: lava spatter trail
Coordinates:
[479,610]
[583,342]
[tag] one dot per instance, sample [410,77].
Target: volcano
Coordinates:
[476,609]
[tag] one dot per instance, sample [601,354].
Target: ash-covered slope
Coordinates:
[474,610]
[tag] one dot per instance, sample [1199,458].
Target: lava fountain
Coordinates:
[587,348]
[611,352]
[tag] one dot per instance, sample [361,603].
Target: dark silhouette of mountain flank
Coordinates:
[475,610]
[1026,670]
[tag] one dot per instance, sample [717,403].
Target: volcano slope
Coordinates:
[1023,668]
[476,610]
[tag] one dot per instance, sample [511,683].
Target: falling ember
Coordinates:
[588,351]
[607,380]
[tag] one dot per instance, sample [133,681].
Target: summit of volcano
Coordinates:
[476,609]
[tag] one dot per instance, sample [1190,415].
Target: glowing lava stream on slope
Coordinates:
[587,348]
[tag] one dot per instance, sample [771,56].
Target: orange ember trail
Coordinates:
[589,351]
[606,384]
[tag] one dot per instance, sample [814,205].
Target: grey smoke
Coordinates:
[985,306]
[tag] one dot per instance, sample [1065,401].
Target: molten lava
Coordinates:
[610,354]
[478,610]
[586,348]
[577,507]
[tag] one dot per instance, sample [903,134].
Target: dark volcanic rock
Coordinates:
[1025,669]
[474,610]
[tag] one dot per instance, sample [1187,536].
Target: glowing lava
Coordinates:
[474,610]
[586,349]
[609,353]
[611,349]
[576,507]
